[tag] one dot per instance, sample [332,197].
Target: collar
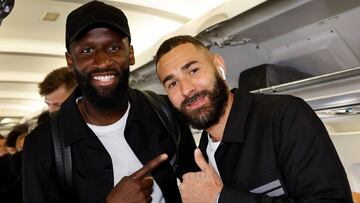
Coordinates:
[235,125]
[137,107]
[73,125]
[71,122]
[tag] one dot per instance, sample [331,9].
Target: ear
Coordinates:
[220,65]
[222,72]
[131,55]
[219,61]
[69,61]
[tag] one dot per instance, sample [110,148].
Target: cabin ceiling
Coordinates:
[315,37]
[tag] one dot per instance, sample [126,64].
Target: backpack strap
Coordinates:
[163,111]
[62,154]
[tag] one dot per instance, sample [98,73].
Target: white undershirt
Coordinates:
[123,159]
[210,151]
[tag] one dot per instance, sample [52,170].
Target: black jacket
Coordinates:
[92,166]
[10,184]
[276,149]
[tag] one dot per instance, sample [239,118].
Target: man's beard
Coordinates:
[105,99]
[209,114]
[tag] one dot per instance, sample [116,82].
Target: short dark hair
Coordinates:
[15,133]
[173,42]
[11,138]
[56,78]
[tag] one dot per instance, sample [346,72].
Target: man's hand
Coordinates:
[203,186]
[137,187]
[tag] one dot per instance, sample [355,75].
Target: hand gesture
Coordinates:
[203,186]
[137,187]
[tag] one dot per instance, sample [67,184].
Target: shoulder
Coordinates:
[140,94]
[150,98]
[279,102]
[39,140]
[39,133]
[273,98]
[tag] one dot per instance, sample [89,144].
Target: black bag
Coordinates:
[267,75]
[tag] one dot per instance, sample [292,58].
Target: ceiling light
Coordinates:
[50,16]
[6,120]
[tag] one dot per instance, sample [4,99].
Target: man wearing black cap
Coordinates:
[116,138]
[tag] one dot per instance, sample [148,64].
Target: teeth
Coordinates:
[104,78]
[192,99]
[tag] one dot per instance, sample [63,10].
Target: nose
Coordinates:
[102,59]
[187,87]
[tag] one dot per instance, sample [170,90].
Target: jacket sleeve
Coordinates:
[40,183]
[311,169]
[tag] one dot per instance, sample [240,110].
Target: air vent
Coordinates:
[50,16]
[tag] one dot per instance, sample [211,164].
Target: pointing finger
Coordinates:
[151,165]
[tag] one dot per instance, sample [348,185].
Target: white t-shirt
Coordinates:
[210,151]
[123,159]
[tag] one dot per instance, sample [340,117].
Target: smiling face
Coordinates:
[100,60]
[193,84]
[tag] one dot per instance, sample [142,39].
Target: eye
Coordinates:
[87,50]
[194,70]
[114,48]
[171,84]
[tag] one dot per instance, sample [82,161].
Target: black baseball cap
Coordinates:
[91,15]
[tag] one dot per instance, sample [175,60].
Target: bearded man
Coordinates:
[257,148]
[120,149]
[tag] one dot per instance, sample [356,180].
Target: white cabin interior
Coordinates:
[317,37]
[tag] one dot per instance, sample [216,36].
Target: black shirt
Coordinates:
[276,149]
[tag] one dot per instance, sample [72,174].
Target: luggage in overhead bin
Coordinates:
[267,75]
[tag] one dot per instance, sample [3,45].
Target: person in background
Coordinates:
[3,150]
[20,141]
[56,87]
[120,149]
[11,140]
[254,147]
[4,162]
[10,164]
